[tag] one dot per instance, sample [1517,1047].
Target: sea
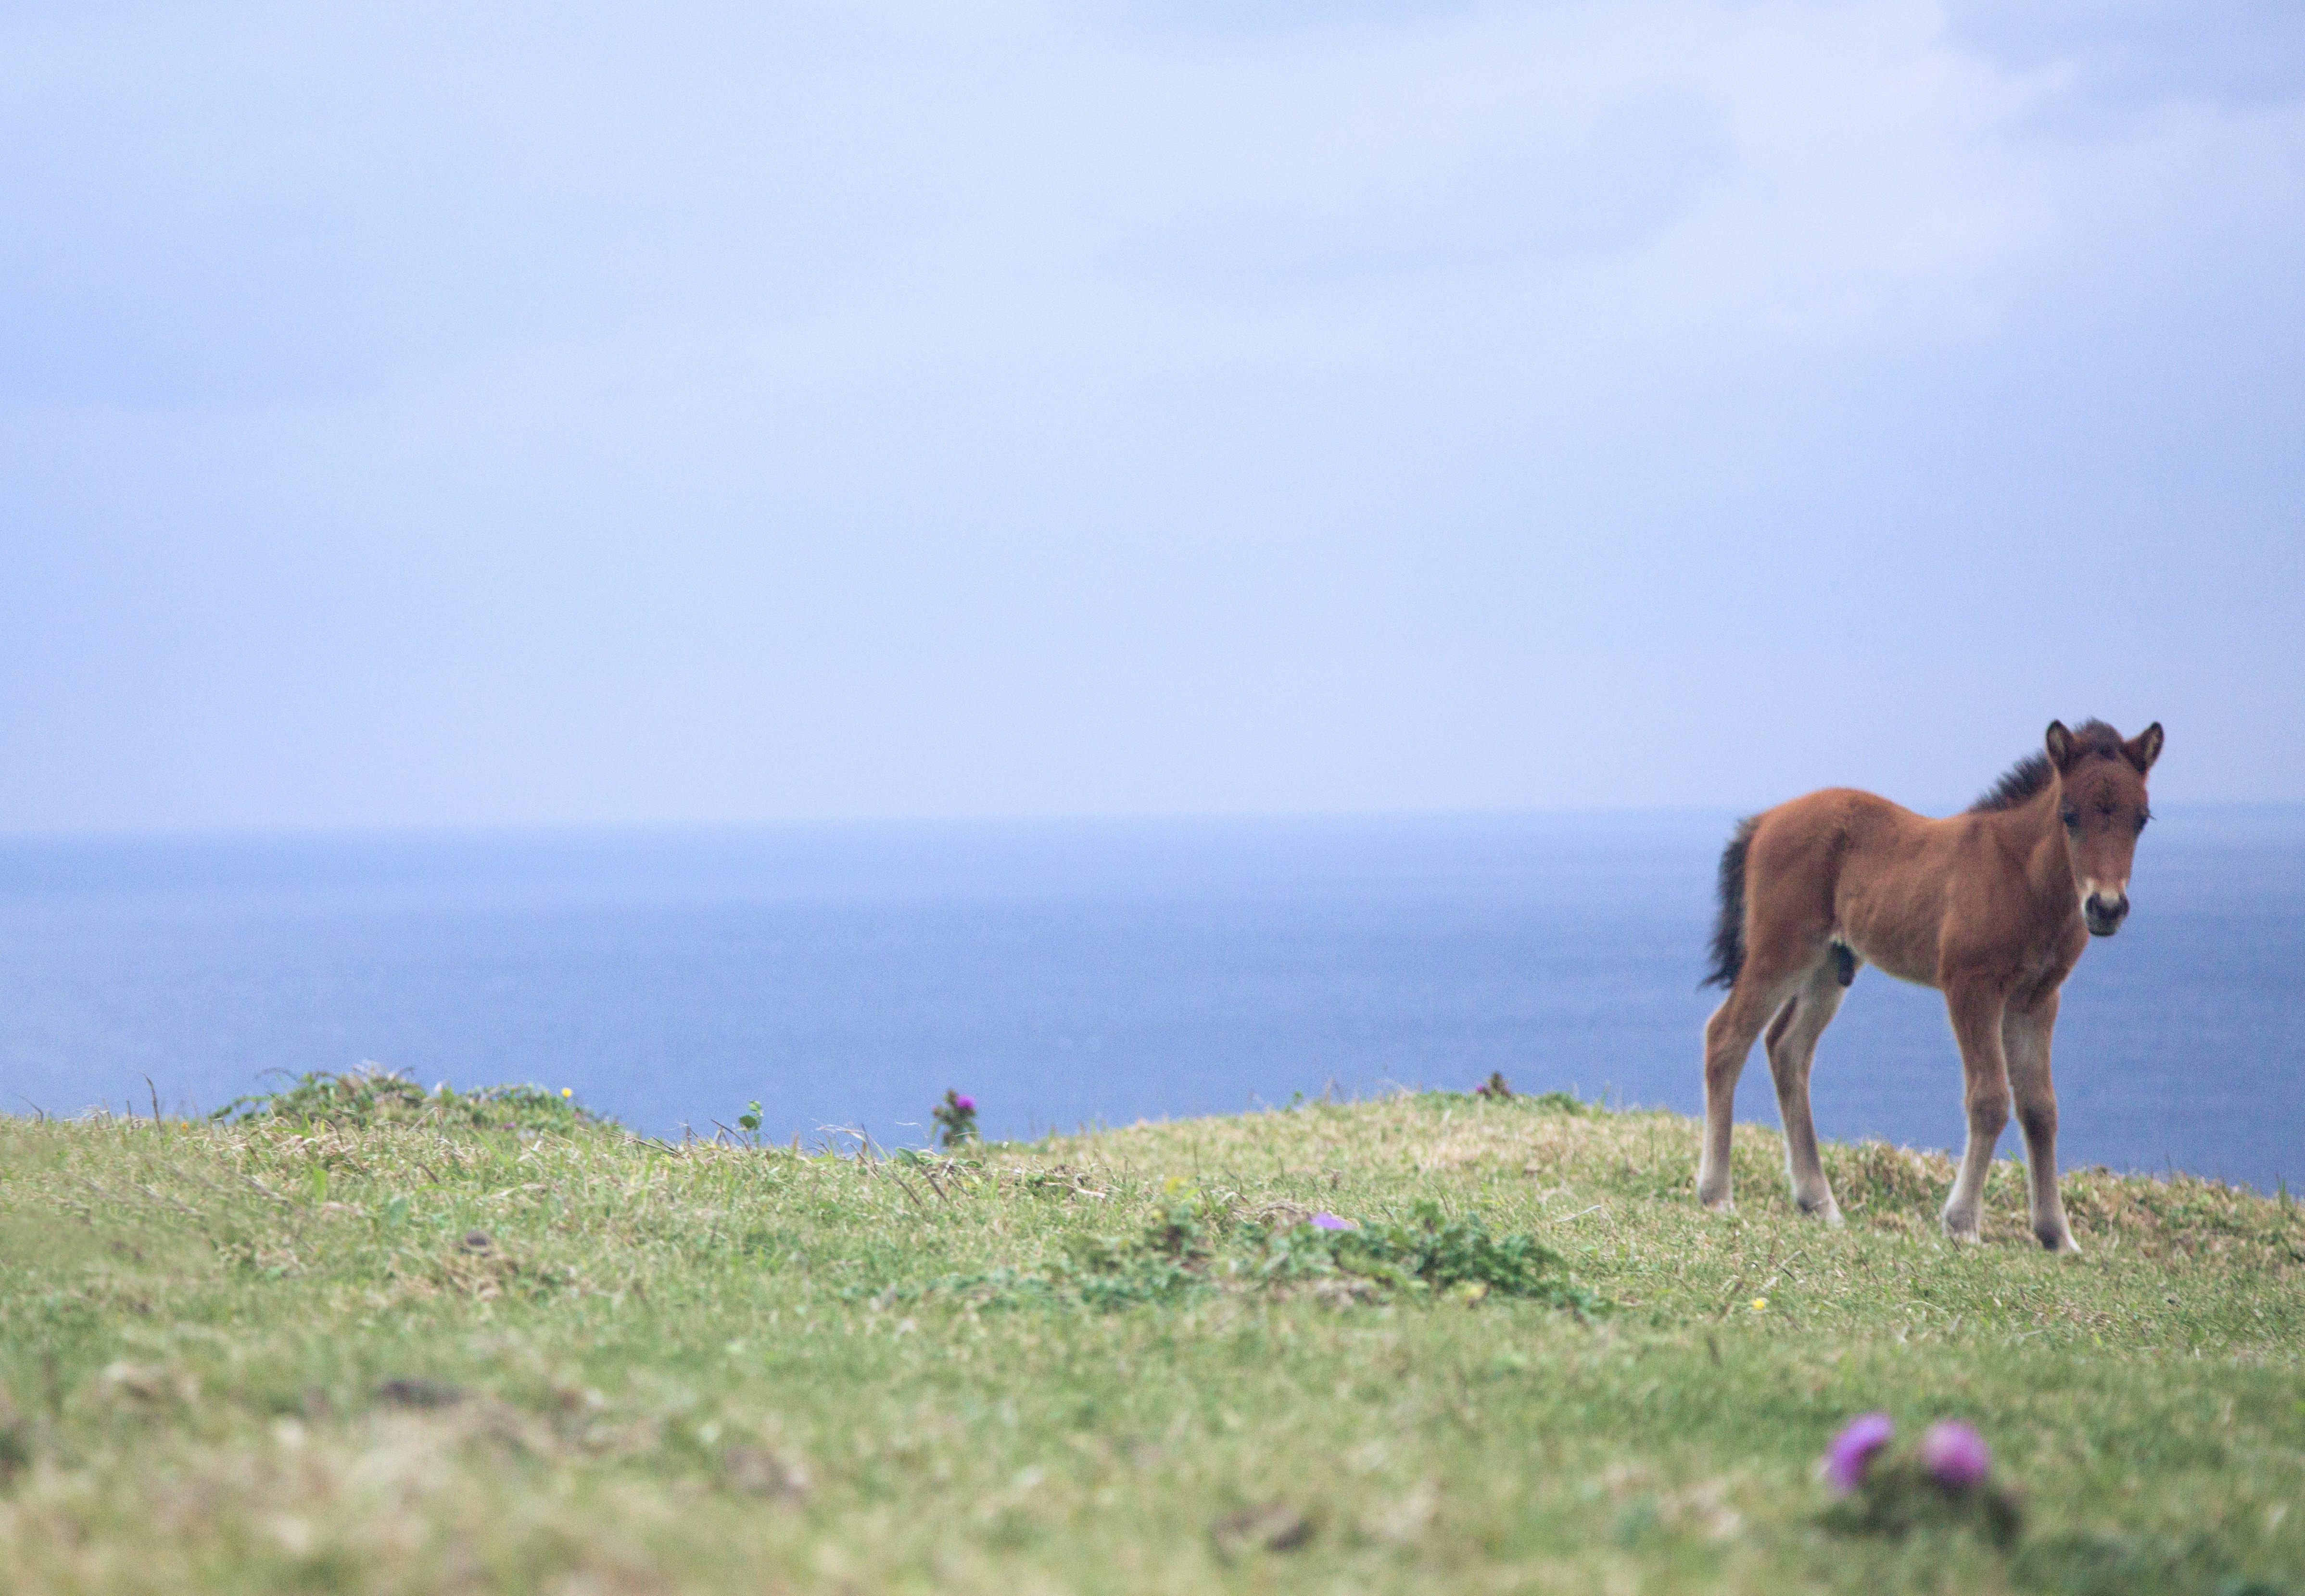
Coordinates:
[1092,973]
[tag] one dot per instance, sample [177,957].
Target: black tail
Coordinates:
[1729,928]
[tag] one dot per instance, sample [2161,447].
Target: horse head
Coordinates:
[2102,806]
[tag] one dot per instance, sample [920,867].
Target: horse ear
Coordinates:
[2144,748]
[2060,744]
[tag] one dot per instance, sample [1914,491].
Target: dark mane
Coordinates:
[2026,777]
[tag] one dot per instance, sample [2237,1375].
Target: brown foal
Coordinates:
[1990,907]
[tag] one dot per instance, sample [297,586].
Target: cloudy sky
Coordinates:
[525,414]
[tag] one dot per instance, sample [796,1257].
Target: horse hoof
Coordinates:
[1957,1232]
[1827,1210]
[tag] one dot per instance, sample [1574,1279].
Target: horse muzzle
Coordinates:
[2104,915]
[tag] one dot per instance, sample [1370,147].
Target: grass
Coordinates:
[417,1346]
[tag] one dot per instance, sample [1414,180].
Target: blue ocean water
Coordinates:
[1071,973]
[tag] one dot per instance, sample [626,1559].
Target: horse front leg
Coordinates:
[2025,1040]
[1976,1007]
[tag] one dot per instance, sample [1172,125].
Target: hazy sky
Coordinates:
[505,414]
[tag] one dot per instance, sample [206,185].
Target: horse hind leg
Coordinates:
[1758,996]
[1792,1048]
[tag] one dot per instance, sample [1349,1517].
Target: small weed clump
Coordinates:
[1946,1484]
[955,1119]
[1195,1244]
[1497,1089]
[1429,1252]
[358,1099]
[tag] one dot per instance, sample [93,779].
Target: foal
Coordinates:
[1990,907]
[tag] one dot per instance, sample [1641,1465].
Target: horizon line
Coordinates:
[547,830]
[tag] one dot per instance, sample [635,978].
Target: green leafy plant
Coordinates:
[1430,1252]
[1191,1242]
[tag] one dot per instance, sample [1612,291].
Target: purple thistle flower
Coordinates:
[1955,1455]
[1326,1221]
[1852,1452]
[966,1104]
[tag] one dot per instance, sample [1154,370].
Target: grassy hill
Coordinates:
[405,1343]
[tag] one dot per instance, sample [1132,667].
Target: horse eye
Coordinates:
[2071,817]
[2141,818]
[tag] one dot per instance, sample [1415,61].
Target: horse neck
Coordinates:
[2038,834]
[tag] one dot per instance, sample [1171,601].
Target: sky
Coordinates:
[437,415]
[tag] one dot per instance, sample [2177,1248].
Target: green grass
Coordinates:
[405,1348]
